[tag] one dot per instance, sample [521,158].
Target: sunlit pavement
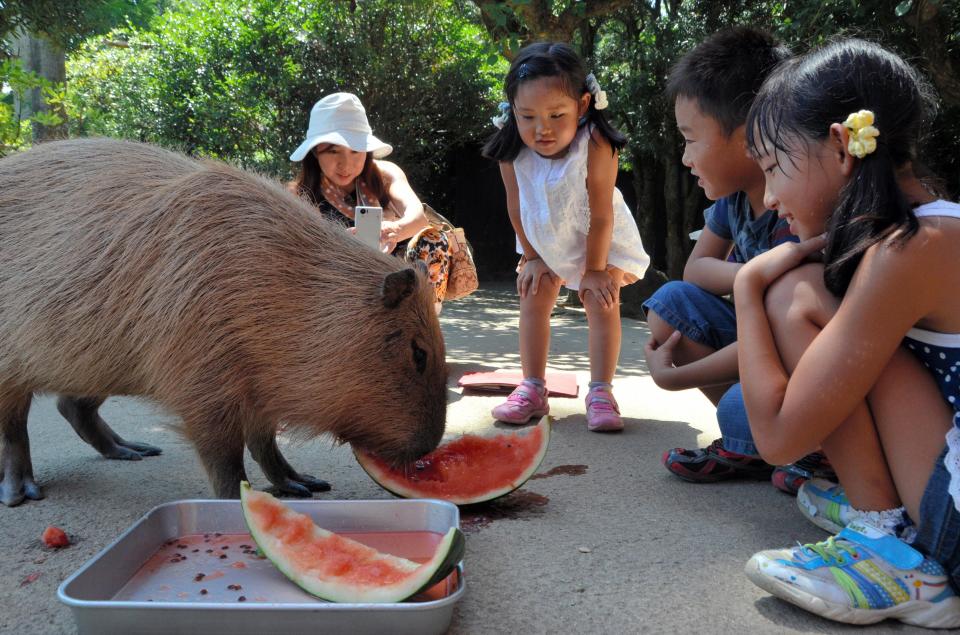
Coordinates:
[621,547]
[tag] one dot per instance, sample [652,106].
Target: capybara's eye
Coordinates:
[419,358]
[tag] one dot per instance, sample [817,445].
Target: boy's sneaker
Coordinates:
[603,413]
[861,576]
[825,504]
[524,403]
[713,463]
[789,478]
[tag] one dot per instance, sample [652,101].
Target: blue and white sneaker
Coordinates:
[862,576]
[825,504]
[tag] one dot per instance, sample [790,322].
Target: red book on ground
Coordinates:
[559,383]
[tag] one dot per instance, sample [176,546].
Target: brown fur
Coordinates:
[126,269]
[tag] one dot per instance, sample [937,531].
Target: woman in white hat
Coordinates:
[342,167]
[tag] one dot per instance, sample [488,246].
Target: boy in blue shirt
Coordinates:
[692,323]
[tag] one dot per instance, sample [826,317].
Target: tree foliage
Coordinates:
[236,79]
[69,22]
[632,48]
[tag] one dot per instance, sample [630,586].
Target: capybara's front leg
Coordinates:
[262,442]
[219,442]
[83,415]
[16,469]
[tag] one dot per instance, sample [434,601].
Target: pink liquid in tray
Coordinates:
[227,568]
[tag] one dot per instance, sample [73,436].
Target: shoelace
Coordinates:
[830,551]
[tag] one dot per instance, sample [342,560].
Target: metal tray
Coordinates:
[148,580]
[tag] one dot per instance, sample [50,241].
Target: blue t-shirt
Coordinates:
[730,218]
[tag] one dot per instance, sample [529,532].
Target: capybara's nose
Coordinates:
[428,441]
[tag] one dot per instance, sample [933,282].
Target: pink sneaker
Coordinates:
[524,403]
[603,413]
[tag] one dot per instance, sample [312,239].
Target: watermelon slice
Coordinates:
[469,468]
[336,568]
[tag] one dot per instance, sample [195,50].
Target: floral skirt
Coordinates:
[431,248]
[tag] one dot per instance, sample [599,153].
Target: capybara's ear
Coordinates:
[397,286]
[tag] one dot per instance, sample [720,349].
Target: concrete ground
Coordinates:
[621,547]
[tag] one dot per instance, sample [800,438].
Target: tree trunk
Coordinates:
[43,57]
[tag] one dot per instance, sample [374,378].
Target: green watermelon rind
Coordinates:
[400,488]
[448,554]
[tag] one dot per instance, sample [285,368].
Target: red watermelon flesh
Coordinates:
[470,468]
[334,567]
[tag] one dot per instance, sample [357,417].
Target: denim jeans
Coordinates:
[707,319]
[700,315]
[734,426]
[938,528]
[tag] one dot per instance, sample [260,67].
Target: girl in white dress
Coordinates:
[558,160]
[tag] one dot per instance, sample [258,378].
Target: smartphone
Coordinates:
[367,221]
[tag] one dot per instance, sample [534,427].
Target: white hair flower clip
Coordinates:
[599,96]
[863,135]
[501,120]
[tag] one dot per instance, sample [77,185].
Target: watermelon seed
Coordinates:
[223,556]
[234,587]
[199,576]
[203,591]
[242,598]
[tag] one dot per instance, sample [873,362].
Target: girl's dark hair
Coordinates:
[800,101]
[546,59]
[307,182]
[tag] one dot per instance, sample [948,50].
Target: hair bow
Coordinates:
[501,120]
[599,96]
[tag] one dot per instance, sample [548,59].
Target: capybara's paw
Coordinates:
[129,451]
[121,453]
[14,491]
[312,483]
[141,448]
[290,487]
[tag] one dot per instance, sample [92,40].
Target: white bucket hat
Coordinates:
[340,119]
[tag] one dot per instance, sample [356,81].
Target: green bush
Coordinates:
[235,79]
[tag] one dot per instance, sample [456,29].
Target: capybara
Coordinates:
[126,269]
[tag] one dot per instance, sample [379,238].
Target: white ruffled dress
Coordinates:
[555,213]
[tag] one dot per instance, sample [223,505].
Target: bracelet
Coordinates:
[527,258]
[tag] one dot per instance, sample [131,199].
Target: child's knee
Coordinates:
[800,295]
[660,329]
[597,309]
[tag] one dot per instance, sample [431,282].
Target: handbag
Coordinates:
[462,271]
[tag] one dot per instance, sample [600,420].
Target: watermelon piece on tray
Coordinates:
[337,568]
[559,383]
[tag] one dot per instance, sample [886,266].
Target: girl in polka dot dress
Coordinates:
[859,354]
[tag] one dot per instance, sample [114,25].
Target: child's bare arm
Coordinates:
[713,370]
[602,163]
[707,266]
